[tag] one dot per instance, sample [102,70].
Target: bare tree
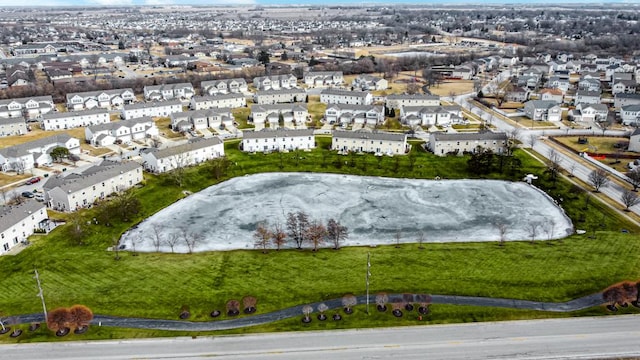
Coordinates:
[533,230]
[553,165]
[634,178]
[262,236]
[533,138]
[336,232]
[398,236]
[629,198]
[513,137]
[598,178]
[178,164]
[381,300]
[171,240]
[193,240]
[156,237]
[278,236]
[549,228]
[297,225]
[502,229]
[307,310]
[349,301]
[421,239]
[572,168]
[155,142]
[316,233]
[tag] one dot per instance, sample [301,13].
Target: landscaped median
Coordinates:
[158,286]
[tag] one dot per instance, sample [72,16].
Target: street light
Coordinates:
[40,294]
[367,279]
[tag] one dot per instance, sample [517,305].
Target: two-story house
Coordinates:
[124,131]
[396,101]
[104,99]
[201,119]
[193,152]
[154,109]
[25,156]
[268,140]
[217,101]
[69,120]
[443,144]
[335,96]
[181,91]
[224,86]
[280,96]
[29,107]
[379,143]
[344,114]
[18,222]
[323,78]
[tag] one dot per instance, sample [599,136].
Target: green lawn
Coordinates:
[158,285]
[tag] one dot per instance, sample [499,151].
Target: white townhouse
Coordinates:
[335,96]
[123,131]
[590,112]
[180,91]
[275,82]
[193,152]
[156,109]
[290,113]
[18,222]
[80,189]
[34,153]
[544,110]
[217,101]
[587,97]
[623,99]
[369,82]
[349,114]
[634,141]
[380,143]
[429,115]
[630,115]
[263,97]
[443,144]
[396,101]
[624,86]
[267,140]
[29,108]
[552,94]
[323,78]
[104,99]
[589,84]
[202,119]
[225,86]
[12,126]
[69,120]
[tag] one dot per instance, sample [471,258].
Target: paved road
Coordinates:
[572,338]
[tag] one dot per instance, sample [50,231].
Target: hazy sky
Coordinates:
[297,2]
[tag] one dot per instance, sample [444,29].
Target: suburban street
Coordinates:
[572,338]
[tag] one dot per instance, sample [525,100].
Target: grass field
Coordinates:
[597,144]
[158,285]
[456,87]
[36,133]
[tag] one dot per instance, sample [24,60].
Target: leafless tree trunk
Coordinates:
[336,232]
[599,178]
[398,236]
[421,239]
[278,236]
[502,229]
[171,240]
[156,237]
[262,235]
[533,230]
[629,198]
[553,165]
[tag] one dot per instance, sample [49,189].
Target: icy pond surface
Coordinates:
[374,210]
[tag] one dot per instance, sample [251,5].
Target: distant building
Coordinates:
[396,101]
[181,91]
[202,119]
[335,96]
[69,120]
[272,114]
[630,115]
[156,109]
[275,82]
[354,114]
[12,126]
[369,82]
[124,131]
[217,101]
[25,156]
[225,86]
[263,97]
[29,108]
[104,99]
[323,78]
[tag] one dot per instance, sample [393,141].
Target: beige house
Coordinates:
[443,144]
[380,143]
[279,96]
[217,101]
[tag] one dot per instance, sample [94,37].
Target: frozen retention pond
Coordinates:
[374,209]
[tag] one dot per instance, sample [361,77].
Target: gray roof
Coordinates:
[355,107]
[412,97]
[14,120]
[588,93]
[200,113]
[192,144]
[93,175]
[277,133]
[599,107]
[634,107]
[627,96]
[487,135]
[47,99]
[354,93]
[541,104]
[216,97]
[279,107]
[23,149]
[323,73]
[116,124]
[366,134]
[147,105]
[207,84]
[168,86]
[635,132]
[89,94]
[12,215]
[61,115]
[280,91]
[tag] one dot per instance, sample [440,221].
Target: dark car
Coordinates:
[28,194]
[33,180]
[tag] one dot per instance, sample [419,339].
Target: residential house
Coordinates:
[552,95]
[124,131]
[194,151]
[623,99]
[69,120]
[557,82]
[396,101]
[29,107]
[18,222]
[281,96]
[587,97]
[217,101]
[528,81]
[634,141]
[12,126]
[624,86]
[34,49]
[335,96]
[344,114]
[155,109]
[202,119]
[181,91]
[25,156]
[380,143]
[177,61]
[443,144]
[275,82]
[104,99]
[368,82]
[630,115]
[323,78]
[429,115]
[590,112]
[462,72]
[518,94]
[541,110]
[274,113]
[589,84]
[82,189]
[225,86]
[267,140]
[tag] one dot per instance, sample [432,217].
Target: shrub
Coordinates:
[58,319]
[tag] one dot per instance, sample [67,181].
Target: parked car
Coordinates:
[28,194]
[33,180]
[39,197]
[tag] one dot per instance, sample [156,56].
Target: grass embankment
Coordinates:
[158,285]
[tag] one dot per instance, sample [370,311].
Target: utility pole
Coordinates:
[40,294]
[367,279]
